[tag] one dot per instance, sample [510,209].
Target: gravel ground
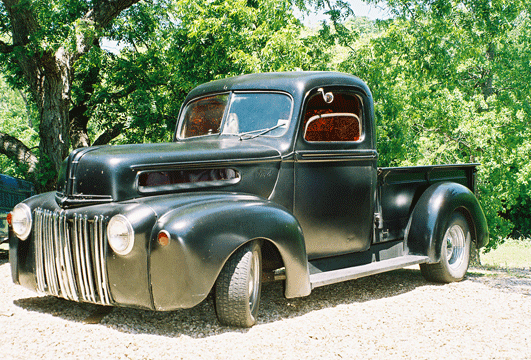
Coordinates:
[397,315]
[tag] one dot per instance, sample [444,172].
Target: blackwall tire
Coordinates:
[455,253]
[238,287]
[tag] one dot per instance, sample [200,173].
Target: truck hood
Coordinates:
[117,173]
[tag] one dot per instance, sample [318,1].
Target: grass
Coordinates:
[513,253]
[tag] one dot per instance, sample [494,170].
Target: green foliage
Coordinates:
[16,119]
[170,47]
[451,85]
[223,38]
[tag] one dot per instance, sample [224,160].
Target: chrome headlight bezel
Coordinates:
[120,234]
[21,221]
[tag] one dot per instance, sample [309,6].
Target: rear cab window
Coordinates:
[336,121]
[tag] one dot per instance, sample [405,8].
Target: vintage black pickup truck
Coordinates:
[270,177]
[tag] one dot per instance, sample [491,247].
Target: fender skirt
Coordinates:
[428,221]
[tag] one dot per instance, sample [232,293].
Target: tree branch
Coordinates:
[6,48]
[23,21]
[15,150]
[446,135]
[97,19]
[109,134]
[106,11]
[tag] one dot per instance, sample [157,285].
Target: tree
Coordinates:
[42,41]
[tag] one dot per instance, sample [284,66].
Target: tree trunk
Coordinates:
[78,127]
[53,110]
[79,116]
[475,256]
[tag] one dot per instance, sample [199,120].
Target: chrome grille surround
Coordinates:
[70,255]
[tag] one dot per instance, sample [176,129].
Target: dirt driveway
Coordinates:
[396,315]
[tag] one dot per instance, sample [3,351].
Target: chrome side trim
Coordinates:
[338,155]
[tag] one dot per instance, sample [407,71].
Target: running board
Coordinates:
[335,276]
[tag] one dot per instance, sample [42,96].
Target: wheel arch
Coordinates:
[428,220]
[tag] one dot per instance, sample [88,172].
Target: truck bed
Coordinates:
[401,187]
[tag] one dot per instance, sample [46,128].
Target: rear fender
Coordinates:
[428,221]
[203,237]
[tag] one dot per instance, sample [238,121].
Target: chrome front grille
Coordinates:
[70,256]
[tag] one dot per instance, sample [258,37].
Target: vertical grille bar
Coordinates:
[49,248]
[78,256]
[66,258]
[39,255]
[84,254]
[88,258]
[99,256]
[58,255]
[70,256]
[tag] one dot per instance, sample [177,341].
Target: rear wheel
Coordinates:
[238,287]
[455,253]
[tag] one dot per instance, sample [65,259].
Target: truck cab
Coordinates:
[270,177]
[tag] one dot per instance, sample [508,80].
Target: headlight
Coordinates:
[21,221]
[120,234]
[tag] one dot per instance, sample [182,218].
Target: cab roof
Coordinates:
[296,83]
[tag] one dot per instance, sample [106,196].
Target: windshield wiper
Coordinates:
[251,134]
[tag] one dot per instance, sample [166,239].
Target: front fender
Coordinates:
[204,234]
[428,221]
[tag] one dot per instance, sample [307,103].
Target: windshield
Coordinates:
[236,114]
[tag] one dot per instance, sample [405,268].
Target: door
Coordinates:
[335,174]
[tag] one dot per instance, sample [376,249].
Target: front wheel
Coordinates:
[455,253]
[238,287]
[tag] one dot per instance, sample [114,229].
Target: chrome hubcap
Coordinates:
[455,246]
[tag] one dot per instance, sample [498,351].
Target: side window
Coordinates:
[335,121]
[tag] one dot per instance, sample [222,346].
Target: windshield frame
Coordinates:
[226,112]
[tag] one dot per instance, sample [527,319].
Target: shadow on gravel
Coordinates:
[513,280]
[4,256]
[200,321]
